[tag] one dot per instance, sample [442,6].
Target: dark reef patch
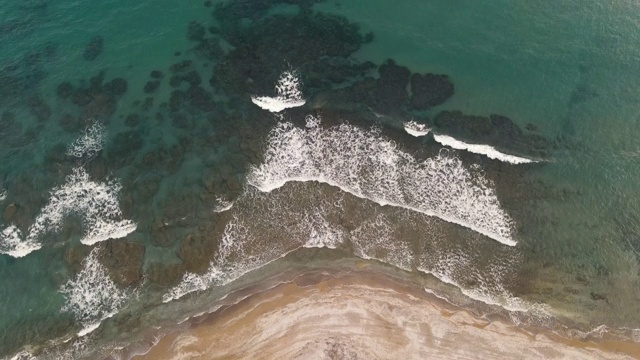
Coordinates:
[9,127]
[132,120]
[125,145]
[94,48]
[310,41]
[124,261]
[429,90]
[151,86]
[156,74]
[64,90]
[39,108]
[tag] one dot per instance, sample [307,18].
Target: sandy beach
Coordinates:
[364,315]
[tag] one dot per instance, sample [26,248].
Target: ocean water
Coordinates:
[154,154]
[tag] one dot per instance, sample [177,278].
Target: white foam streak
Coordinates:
[488,286]
[276,104]
[90,141]
[95,203]
[323,233]
[3,195]
[288,94]
[486,150]
[371,167]
[223,205]
[11,243]
[504,300]
[415,129]
[92,296]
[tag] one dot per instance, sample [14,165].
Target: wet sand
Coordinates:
[364,315]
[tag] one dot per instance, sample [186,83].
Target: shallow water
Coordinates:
[196,184]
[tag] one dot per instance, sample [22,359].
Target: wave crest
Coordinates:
[96,203]
[288,94]
[369,166]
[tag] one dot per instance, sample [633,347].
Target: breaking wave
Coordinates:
[486,150]
[223,205]
[415,129]
[92,296]
[365,164]
[90,142]
[95,203]
[288,94]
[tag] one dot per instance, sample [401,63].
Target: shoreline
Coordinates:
[365,294]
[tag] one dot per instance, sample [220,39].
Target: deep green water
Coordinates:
[565,72]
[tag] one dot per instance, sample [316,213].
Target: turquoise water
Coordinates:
[565,71]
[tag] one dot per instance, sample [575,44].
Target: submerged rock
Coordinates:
[71,123]
[429,90]
[125,144]
[39,108]
[124,261]
[299,39]
[132,120]
[156,74]
[94,48]
[116,87]
[391,89]
[9,212]
[200,98]
[64,90]
[100,106]
[209,49]
[75,255]
[147,104]
[195,31]
[10,128]
[181,66]
[196,252]
[151,87]
[81,97]
[165,274]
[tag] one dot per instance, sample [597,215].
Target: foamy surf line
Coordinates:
[368,166]
[92,296]
[415,129]
[486,150]
[96,203]
[288,94]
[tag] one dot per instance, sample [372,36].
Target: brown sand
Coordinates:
[365,315]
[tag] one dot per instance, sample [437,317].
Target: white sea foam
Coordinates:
[11,243]
[234,245]
[223,205]
[92,296]
[415,129]
[90,142]
[3,195]
[265,227]
[369,166]
[488,288]
[487,150]
[288,94]
[374,239]
[23,355]
[95,203]
[323,233]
